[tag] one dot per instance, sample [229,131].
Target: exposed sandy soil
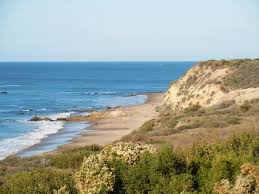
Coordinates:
[107,130]
[240,96]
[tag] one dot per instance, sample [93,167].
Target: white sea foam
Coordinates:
[41,109]
[27,110]
[60,115]
[41,130]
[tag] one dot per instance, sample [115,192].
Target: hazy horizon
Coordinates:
[117,31]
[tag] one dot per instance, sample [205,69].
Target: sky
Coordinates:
[128,30]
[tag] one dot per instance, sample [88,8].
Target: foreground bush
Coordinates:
[37,181]
[97,174]
[247,182]
[193,171]
[133,168]
[212,163]
[164,172]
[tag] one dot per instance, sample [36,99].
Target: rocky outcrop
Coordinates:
[109,113]
[212,82]
[35,118]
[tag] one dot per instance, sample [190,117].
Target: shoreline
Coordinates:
[105,131]
[53,140]
[99,131]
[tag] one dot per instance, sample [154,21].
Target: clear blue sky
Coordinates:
[101,30]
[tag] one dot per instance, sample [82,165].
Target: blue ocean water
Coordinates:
[61,89]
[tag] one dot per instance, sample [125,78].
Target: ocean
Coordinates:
[62,89]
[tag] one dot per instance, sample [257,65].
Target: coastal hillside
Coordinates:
[212,82]
[213,100]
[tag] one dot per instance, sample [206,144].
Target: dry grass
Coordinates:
[244,75]
[194,125]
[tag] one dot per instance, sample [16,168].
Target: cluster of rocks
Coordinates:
[109,112]
[35,118]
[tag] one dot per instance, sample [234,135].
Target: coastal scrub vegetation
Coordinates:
[136,168]
[227,116]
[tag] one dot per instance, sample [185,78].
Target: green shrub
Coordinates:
[182,182]
[153,173]
[169,162]
[211,163]
[72,158]
[37,181]
[143,176]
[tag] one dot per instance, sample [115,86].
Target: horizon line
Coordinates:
[108,61]
[118,61]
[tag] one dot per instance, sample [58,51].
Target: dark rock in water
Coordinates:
[35,118]
[3,92]
[62,119]
[132,94]
[112,107]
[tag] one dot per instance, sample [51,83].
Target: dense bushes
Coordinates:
[246,182]
[38,181]
[222,161]
[43,174]
[72,158]
[194,171]
[158,173]
[97,171]
[202,169]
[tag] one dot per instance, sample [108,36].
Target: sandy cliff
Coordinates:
[212,82]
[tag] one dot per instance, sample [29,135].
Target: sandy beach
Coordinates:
[107,130]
